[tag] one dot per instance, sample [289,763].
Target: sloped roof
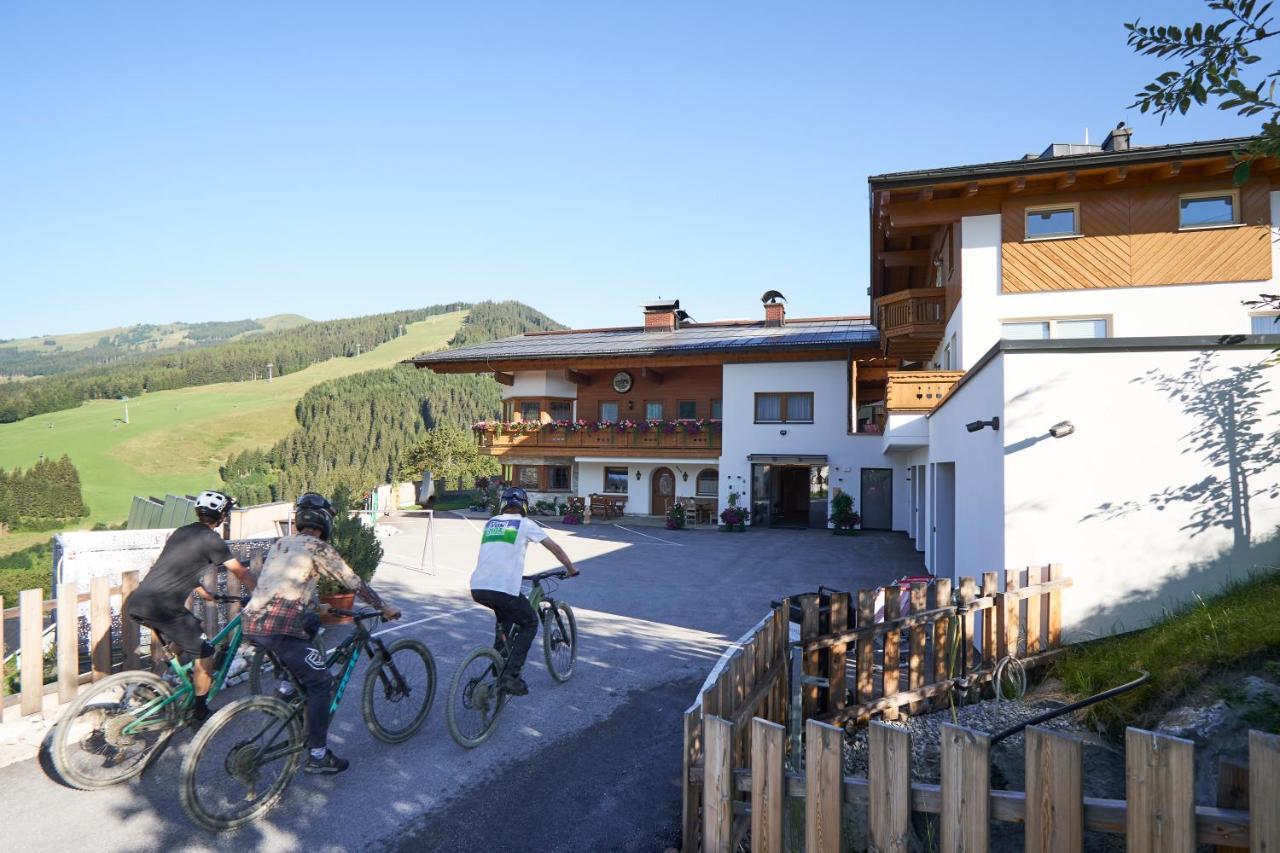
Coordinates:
[707,338]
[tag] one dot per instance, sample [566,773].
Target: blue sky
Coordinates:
[197,161]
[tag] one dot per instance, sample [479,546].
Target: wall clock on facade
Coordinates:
[622,382]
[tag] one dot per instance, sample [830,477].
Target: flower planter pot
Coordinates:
[341,600]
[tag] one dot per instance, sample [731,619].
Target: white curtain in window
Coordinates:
[653,411]
[800,407]
[768,407]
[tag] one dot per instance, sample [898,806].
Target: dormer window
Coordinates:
[1208,210]
[1052,222]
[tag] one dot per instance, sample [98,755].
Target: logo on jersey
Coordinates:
[501,530]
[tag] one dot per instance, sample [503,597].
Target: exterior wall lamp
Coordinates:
[637,476]
[1062,429]
[977,426]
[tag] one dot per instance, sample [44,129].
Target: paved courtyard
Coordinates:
[589,765]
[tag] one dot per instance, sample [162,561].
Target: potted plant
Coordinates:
[676,516]
[734,518]
[360,549]
[843,519]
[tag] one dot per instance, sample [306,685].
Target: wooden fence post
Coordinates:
[129,634]
[810,628]
[915,665]
[941,637]
[100,625]
[31,630]
[966,790]
[892,670]
[990,586]
[1055,792]
[889,781]
[692,791]
[837,657]
[67,641]
[824,787]
[968,590]
[768,796]
[866,647]
[1055,609]
[1159,789]
[1037,607]
[717,791]
[1233,790]
[1012,613]
[1264,792]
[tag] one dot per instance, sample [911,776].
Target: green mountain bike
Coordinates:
[475,701]
[245,755]
[117,727]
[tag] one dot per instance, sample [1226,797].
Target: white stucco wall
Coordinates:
[828,435]
[540,383]
[1194,309]
[1138,515]
[977,456]
[640,492]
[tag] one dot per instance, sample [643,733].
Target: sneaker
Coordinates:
[514,685]
[286,690]
[199,713]
[328,765]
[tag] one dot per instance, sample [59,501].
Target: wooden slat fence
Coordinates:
[749,681]
[1159,813]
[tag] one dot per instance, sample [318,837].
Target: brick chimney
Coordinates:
[662,316]
[775,309]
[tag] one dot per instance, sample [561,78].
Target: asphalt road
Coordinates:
[590,765]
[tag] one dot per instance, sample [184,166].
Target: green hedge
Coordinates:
[26,569]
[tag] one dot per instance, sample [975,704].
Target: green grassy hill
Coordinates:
[149,337]
[176,440]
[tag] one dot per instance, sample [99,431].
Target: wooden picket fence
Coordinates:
[113,639]
[1159,814]
[850,665]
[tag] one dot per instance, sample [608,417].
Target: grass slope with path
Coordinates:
[176,440]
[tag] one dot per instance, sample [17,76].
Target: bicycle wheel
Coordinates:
[560,641]
[399,690]
[474,698]
[90,747]
[241,761]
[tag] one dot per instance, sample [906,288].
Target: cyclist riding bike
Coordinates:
[159,602]
[495,583]
[277,617]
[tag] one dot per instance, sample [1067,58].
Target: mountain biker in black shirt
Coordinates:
[159,602]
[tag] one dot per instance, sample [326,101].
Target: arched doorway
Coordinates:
[663,488]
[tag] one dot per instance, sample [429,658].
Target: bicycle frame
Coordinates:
[230,636]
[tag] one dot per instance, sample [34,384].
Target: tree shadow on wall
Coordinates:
[1233,436]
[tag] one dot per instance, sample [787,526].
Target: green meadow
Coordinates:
[176,440]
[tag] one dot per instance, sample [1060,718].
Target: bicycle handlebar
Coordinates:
[560,574]
[358,615]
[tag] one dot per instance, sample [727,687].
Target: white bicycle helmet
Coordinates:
[213,503]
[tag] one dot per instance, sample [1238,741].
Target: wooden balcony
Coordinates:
[675,439]
[918,390]
[912,322]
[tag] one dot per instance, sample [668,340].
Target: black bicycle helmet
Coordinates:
[316,519]
[314,500]
[515,496]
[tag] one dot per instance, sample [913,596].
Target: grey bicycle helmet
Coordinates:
[515,496]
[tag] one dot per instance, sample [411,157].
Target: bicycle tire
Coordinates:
[373,683]
[63,732]
[551,637]
[200,810]
[456,685]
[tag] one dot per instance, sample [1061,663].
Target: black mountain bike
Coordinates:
[475,701]
[245,755]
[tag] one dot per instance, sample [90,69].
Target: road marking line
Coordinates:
[647,536]
[464,518]
[401,627]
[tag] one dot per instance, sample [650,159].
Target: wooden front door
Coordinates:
[663,485]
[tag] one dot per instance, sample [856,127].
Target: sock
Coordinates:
[202,702]
[319,754]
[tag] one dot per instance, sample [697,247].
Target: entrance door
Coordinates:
[943,562]
[663,485]
[877,499]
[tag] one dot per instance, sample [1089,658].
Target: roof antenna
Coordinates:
[1086,136]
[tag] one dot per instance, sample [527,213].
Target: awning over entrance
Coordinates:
[788,458]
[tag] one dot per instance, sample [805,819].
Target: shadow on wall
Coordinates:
[1234,436]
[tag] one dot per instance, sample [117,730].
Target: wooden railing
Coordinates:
[1160,816]
[908,312]
[918,391]
[609,437]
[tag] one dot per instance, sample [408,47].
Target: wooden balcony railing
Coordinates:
[918,390]
[907,311]
[666,435]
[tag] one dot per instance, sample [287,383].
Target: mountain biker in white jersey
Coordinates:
[499,573]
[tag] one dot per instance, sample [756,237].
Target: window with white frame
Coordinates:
[708,482]
[1052,221]
[1208,210]
[1264,323]
[1063,328]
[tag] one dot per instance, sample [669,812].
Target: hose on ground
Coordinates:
[1009,671]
